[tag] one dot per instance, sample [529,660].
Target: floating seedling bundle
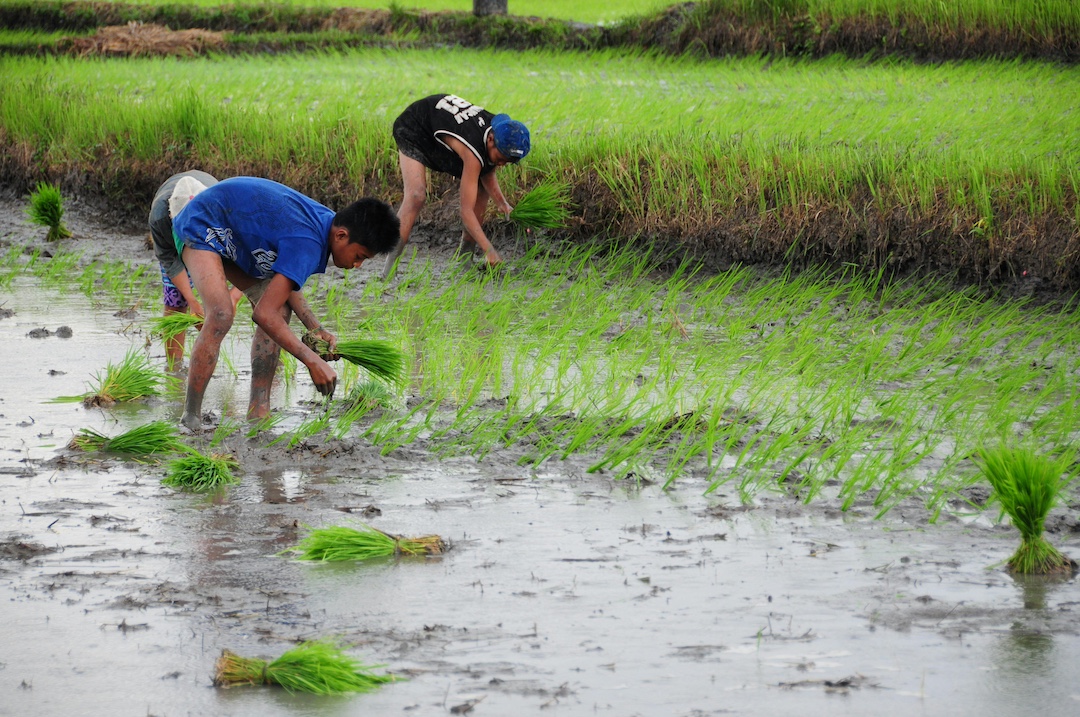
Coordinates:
[154,437]
[320,667]
[340,543]
[380,358]
[544,207]
[200,473]
[1027,486]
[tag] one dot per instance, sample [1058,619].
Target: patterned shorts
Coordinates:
[173,298]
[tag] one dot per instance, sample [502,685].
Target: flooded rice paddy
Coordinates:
[564,592]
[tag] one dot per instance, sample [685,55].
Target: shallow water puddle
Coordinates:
[563,594]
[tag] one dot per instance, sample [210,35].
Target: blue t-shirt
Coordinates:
[262,226]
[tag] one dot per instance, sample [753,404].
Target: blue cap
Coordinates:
[511,137]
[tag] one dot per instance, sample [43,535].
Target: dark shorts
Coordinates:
[415,144]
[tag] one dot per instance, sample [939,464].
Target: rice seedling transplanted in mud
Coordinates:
[149,439]
[47,209]
[344,543]
[320,667]
[1027,486]
[200,473]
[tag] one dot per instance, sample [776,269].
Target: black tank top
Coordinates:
[425,125]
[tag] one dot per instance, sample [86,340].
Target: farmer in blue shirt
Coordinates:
[267,239]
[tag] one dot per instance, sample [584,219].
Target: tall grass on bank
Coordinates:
[664,144]
[320,667]
[1027,486]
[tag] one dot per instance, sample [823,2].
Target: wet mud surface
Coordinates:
[563,593]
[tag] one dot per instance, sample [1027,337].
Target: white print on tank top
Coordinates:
[462,110]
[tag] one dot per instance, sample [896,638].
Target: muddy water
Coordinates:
[563,594]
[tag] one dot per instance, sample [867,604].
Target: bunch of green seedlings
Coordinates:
[320,667]
[1027,486]
[345,543]
[47,209]
[170,326]
[133,378]
[380,358]
[200,473]
[152,438]
[543,207]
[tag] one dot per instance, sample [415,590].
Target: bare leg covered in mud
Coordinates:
[208,273]
[414,177]
[265,358]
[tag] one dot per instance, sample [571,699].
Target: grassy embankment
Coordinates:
[969,168]
[924,29]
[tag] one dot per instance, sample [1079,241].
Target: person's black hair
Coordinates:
[372,223]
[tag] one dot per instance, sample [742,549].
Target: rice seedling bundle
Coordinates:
[380,358]
[134,377]
[47,209]
[544,207]
[341,543]
[1027,486]
[172,325]
[319,666]
[154,437]
[200,473]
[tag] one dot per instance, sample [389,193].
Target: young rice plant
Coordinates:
[1027,486]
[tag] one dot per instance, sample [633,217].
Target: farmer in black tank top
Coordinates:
[448,134]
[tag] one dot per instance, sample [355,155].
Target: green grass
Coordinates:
[1027,486]
[345,543]
[319,667]
[677,142]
